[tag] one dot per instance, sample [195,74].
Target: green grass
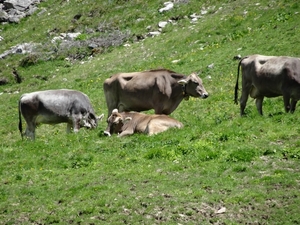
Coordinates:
[248,165]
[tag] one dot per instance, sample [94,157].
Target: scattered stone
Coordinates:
[168,6]
[65,36]
[194,15]
[20,49]
[211,66]
[176,61]
[72,36]
[3,81]
[221,210]
[154,33]
[203,12]
[162,24]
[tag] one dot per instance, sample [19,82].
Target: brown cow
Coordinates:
[127,123]
[56,106]
[269,76]
[161,90]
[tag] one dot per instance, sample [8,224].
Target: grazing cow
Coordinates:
[161,90]
[127,123]
[56,106]
[269,76]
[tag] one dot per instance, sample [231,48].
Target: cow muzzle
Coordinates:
[205,95]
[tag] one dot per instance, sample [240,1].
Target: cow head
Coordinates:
[192,86]
[115,123]
[90,120]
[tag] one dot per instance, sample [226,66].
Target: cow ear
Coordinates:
[182,82]
[127,119]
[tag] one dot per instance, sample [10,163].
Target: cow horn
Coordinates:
[128,118]
[182,82]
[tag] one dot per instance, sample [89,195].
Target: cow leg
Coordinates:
[76,123]
[244,98]
[258,102]
[286,100]
[293,105]
[156,126]
[30,130]
[126,132]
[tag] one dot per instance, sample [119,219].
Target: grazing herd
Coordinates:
[127,94]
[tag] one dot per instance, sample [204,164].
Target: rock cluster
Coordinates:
[12,11]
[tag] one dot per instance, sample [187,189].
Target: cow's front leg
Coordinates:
[76,123]
[258,102]
[286,100]
[126,132]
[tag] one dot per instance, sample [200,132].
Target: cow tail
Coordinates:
[20,120]
[237,82]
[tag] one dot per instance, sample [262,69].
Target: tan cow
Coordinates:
[269,76]
[161,90]
[127,123]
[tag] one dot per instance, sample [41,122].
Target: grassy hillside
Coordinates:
[219,169]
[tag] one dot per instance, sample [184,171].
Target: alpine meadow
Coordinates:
[220,168]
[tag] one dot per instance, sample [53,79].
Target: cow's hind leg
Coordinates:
[155,127]
[244,98]
[30,130]
[259,102]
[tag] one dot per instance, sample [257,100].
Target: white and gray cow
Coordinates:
[56,106]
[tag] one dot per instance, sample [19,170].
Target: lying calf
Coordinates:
[127,123]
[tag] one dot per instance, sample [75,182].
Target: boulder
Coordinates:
[13,11]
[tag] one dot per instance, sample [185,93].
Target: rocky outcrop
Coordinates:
[13,11]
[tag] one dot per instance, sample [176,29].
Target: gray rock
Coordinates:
[3,16]
[20,5]
[14,10]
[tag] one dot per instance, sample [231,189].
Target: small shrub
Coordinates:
[29,60]
[242,155]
